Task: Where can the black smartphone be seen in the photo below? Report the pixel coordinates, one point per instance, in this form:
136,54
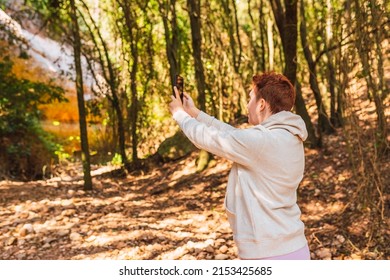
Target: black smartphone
179,83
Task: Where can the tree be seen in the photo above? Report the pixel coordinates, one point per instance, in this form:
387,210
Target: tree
132,31
111,76
25,148
335,94
369,16
259,57
80,97
286,21
323,119
229,9
194,13
167,9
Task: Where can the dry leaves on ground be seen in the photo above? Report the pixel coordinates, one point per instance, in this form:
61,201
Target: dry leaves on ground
173,212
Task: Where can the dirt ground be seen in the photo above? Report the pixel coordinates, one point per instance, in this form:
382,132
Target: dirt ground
173,212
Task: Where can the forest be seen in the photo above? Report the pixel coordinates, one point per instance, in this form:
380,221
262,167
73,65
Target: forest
93,166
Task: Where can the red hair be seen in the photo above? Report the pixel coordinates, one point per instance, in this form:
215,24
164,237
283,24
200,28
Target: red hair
275,89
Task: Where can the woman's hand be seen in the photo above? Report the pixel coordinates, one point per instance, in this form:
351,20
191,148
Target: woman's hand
175,104
188,106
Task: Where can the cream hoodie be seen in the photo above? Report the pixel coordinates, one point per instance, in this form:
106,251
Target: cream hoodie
261,200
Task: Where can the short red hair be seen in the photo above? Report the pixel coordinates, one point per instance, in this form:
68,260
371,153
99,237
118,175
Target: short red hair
275,89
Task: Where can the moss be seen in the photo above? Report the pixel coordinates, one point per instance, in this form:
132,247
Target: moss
175,147
203,160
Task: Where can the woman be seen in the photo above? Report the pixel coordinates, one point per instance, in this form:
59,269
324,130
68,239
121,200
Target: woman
268,165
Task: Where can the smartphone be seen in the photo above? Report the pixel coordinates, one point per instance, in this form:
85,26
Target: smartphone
179,83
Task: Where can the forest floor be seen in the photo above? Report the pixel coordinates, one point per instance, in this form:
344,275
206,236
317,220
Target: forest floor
173,212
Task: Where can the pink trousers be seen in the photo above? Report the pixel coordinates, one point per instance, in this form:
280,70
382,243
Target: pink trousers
301,254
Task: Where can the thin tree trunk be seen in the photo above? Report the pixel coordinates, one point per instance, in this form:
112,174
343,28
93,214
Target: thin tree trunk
171,32
323,119
287,26
271,49
312,140
134,107
230,29
258,59
120,129
85,158
382,92
372,67
262,30
290,37
238,60
234,40
131,25
335,119
106,64
193,7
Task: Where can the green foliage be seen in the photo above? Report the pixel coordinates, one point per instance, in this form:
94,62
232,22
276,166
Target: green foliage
117,159
20,132
20,98
52,12
47,7
60,153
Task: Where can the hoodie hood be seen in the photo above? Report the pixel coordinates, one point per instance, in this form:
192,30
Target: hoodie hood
288,121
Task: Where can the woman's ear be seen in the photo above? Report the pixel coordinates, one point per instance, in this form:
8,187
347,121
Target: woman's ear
261,104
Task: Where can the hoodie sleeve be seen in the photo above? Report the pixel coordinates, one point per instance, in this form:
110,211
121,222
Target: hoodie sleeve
238,145
211,121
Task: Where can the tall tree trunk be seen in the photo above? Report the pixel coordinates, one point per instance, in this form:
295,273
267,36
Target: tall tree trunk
286,21
312,140
372,66
323,119
120,128
258,58
381,93
193,7
232,28
110,77
85,158
262,31
271,49
236,25
335,118
134,107
131,24
289,41
171,31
